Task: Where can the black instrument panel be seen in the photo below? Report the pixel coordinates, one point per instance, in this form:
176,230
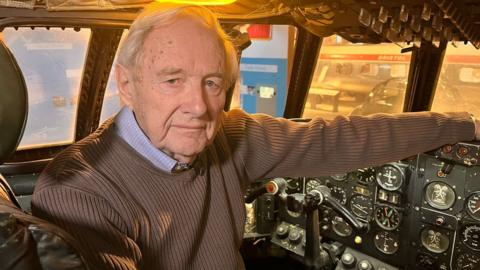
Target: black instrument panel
423,213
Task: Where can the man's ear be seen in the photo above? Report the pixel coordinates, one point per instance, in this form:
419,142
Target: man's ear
125,85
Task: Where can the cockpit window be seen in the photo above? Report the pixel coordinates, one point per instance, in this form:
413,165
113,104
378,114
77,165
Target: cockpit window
111,101
357,79
52,62
458,87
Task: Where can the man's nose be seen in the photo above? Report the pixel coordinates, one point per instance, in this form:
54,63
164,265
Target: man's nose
195,101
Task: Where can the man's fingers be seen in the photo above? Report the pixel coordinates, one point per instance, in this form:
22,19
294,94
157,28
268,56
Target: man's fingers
477,129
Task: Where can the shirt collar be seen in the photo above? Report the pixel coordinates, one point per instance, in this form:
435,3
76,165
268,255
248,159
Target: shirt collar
128,130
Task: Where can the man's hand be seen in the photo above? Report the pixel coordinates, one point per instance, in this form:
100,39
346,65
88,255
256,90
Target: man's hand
476,121
477,129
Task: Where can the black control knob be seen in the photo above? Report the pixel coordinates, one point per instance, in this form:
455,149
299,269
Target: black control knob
348,260
282,231
294,236
364,265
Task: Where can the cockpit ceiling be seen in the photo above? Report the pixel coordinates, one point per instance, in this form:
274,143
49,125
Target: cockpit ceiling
367,21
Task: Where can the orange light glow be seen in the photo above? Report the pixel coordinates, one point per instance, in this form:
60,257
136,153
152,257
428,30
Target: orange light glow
202,2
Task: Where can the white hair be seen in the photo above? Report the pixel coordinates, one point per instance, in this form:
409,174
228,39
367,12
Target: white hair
156,15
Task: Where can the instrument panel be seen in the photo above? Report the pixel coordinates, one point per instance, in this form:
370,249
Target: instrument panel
423,213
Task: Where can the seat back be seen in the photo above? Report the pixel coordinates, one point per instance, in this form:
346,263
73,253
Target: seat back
13,103
26,242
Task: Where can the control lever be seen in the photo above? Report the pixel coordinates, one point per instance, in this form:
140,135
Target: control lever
255,193
358,226
315,256
275,186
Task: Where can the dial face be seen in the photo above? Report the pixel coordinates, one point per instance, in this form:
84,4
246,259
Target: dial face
440,195
426,261
339,177
361,206
387,242
341,227
473,205
387,217
434,240
390,177
294,185
367,175
312,184
336,191
363,176
470,236
468,261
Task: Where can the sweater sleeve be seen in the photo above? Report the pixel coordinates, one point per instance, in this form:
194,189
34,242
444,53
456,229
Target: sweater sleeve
273,147
97,228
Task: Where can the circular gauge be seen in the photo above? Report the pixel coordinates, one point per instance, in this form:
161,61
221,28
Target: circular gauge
387,217
470,236
426,261
294,185
312,184
339,177
353,176
434,240
361,206
473,205
390,177
341,227
338,193
367,175
386,242
468,261
440,195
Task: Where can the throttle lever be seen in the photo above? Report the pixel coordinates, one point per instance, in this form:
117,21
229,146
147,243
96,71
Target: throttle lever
315,256
358,226
275,186
255,193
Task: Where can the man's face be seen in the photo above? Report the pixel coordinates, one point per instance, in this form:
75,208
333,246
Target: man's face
177,91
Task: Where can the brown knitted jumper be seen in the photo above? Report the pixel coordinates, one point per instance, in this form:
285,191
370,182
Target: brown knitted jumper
128,214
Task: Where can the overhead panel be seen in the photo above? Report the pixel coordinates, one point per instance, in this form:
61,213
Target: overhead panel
359,21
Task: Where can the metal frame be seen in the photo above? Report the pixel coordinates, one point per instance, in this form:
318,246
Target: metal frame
305,59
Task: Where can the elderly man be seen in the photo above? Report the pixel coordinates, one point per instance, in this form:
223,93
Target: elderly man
161,185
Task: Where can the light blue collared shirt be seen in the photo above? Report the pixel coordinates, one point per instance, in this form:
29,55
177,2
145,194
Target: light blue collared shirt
128,130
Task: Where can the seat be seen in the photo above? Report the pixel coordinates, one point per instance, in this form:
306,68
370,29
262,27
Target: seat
26,242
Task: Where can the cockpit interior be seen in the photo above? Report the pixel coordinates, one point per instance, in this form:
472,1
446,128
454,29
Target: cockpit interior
298,60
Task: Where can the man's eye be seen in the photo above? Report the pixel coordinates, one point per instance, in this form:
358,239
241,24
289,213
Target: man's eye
213,86
173,81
